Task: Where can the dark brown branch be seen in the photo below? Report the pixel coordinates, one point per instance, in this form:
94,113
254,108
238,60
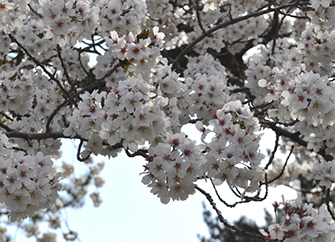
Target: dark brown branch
273,152
34,11
227,23
284,167
59,51
237,65
328,204
66,102
36,136
247,199
143,153
273,33
51,76
92,45
6,116
224,221
240,89
193,121
82,66
4,126
198,16
294,16
78,152
295,138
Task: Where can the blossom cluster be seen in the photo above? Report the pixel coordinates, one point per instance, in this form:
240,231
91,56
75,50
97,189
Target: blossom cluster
233,152
243,31
121,16
142,89
324,173
35,98
68,21
173,167
12,14
301,222
16,91
27,183
292,83
127,115
207,94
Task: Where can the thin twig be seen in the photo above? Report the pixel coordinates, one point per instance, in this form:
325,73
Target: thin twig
284,166
34,11
78,93
4,126
59,51
82,66
78,152
273,153
224,202
51,76
227,23
6,116
143,153
224,221
295,138
198,16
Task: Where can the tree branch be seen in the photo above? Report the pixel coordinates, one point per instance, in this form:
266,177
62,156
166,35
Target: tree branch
328,204
59,51
284,166
66,102
224,221
143,153
273,152
51,76
36,136
78,152
198,16
230,22
295,137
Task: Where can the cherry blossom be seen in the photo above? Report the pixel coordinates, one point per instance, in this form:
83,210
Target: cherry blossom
145,78
302,222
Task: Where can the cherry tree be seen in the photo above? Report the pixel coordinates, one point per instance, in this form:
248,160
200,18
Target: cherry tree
129,75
